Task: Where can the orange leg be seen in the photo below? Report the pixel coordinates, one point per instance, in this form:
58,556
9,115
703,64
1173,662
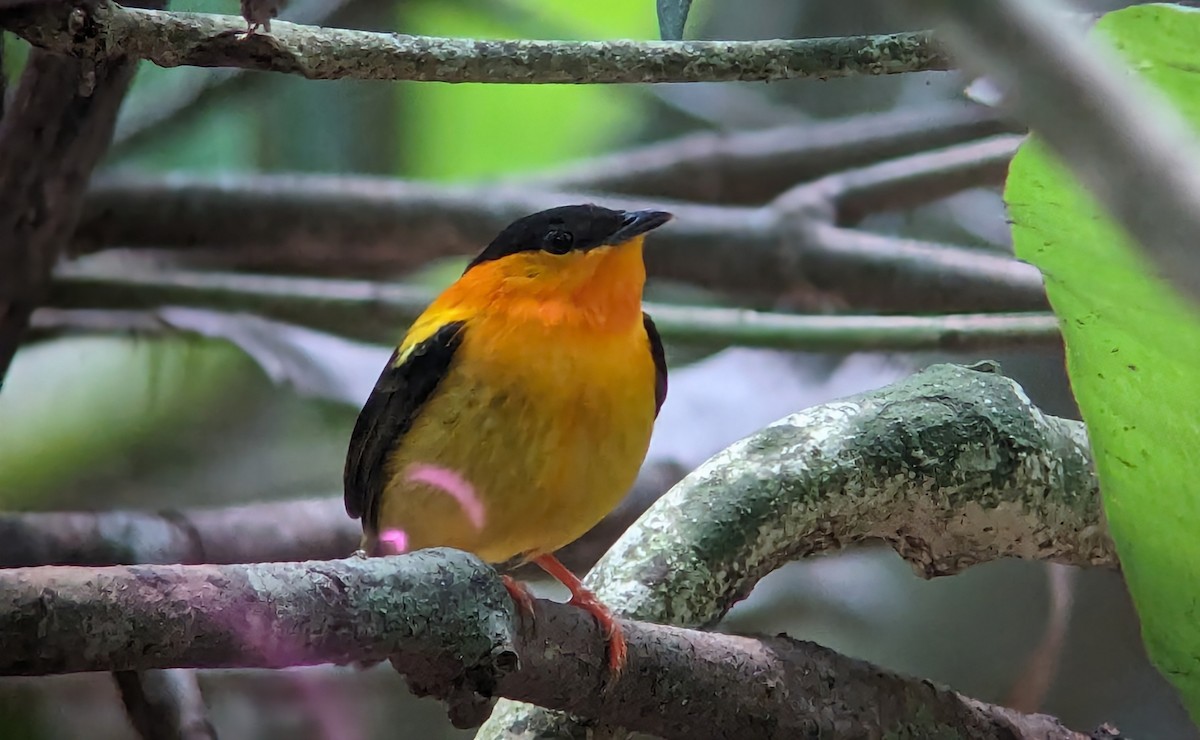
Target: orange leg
521,596
586,600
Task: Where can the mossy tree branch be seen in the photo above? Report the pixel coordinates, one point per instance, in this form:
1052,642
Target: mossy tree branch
445,621
204,40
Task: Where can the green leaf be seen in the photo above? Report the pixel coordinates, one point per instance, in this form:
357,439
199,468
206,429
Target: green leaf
1133,354
672,17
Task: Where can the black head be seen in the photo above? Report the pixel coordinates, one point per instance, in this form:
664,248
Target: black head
570,229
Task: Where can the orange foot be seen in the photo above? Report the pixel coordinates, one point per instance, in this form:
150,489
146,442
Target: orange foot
521,596
586,600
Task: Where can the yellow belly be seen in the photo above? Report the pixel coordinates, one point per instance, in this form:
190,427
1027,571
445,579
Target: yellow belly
549,432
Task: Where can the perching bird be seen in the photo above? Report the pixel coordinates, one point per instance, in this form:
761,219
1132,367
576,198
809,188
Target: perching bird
535,379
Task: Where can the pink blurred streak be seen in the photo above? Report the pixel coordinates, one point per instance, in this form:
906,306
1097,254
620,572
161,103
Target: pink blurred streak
454,484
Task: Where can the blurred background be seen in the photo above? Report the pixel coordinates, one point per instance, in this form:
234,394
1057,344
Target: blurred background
155,422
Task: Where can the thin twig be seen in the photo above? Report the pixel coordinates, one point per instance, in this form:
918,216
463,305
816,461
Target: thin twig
174,39
378,311
1136,154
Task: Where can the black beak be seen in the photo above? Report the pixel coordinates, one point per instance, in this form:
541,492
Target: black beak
637,223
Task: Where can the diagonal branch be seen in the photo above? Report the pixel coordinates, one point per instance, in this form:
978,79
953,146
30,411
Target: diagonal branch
181,102
951,467
746,167
51,137
165,704
1149,175
175,39
445,621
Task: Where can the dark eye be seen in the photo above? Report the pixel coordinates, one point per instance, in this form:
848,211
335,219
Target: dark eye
558,242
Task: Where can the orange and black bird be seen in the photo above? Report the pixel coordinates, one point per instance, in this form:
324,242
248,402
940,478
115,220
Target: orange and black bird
535,379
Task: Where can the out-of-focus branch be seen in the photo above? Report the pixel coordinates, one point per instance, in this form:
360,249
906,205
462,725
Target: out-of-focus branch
951,467
444,620
754,166
282,531
165,704
355,226
911,181
57,128
304,529
203,40
177,105
1149,175
375,311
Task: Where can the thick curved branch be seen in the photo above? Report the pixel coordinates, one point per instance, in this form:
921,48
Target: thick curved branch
951,467
203,40
445,621
372,311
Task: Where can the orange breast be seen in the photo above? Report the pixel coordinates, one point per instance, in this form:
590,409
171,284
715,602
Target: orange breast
547,414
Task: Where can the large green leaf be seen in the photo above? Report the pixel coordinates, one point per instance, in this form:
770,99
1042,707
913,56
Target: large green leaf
1133,354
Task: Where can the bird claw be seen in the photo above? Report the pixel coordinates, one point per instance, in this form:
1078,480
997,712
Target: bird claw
521,596
617,650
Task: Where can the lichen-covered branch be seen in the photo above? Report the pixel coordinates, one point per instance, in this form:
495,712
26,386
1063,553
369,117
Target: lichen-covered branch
203,40
359,226
373,311
445,621
951,467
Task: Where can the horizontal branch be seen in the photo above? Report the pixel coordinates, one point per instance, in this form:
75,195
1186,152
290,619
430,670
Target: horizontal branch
951,467
353,226
284,531
279,531
445,621
378,311
203,40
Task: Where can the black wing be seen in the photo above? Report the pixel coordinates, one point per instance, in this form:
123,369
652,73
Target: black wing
389,413
660,363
